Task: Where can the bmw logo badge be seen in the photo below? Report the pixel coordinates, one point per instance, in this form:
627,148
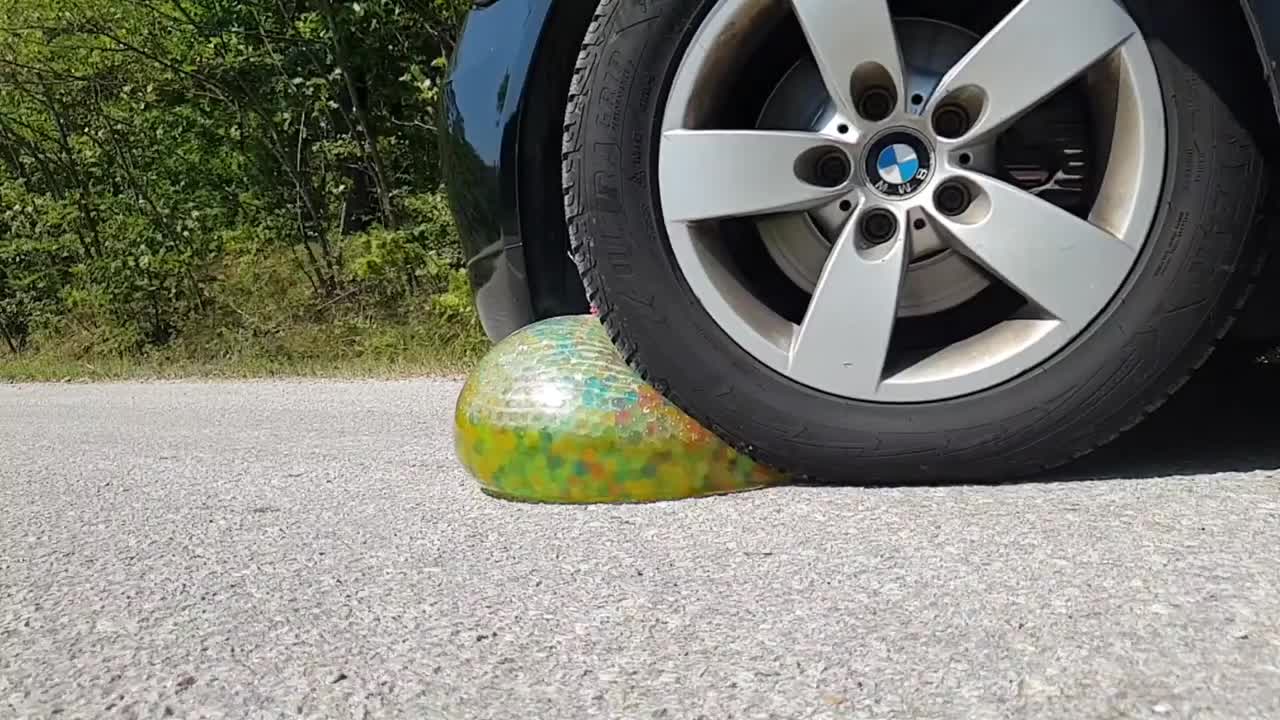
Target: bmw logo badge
898,164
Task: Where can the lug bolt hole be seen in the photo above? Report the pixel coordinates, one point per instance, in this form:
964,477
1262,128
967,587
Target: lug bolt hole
833,169
919,224
953,199
879,227
846,206
876,104
843,129
965,158
951,121
917,99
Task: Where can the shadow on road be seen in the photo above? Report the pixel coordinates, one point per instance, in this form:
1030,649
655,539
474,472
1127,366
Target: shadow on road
1227,419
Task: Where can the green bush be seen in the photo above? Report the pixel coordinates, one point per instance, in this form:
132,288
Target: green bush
209,181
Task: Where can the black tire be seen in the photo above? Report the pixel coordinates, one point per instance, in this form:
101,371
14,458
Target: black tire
1179,301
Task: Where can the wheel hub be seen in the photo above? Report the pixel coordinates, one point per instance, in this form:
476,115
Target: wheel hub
898,164
937,278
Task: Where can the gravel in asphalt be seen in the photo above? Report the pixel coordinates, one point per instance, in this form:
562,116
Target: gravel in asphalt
312,549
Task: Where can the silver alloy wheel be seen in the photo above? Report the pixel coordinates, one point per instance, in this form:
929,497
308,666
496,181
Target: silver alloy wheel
1067,268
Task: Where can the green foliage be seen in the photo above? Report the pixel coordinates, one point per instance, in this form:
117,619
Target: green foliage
222,173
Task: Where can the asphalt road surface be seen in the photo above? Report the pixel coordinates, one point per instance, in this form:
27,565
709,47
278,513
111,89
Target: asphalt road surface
312,549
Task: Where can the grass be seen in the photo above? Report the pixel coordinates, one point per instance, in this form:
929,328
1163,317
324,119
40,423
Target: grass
42,368
345,352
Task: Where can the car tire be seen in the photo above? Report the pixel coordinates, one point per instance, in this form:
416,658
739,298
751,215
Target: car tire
1188,283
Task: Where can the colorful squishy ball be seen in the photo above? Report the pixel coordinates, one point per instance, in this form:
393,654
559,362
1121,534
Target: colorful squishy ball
554,415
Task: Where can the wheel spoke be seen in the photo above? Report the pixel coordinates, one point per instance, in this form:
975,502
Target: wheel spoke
1067,266
1038,48
712,174
844,34
844,339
